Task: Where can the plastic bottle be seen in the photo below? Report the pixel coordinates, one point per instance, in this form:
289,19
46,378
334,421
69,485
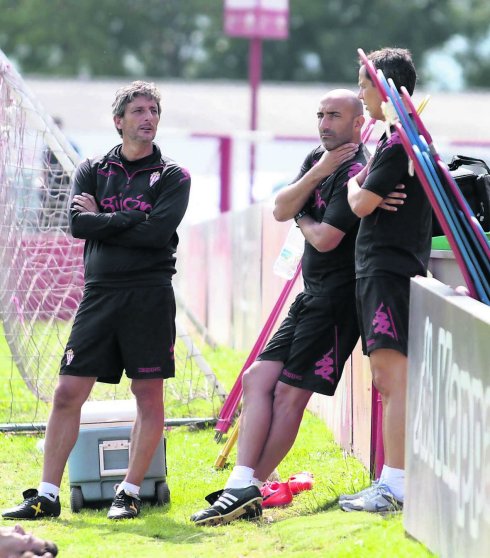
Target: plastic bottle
290,254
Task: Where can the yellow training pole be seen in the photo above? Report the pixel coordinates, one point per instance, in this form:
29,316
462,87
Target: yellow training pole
225,452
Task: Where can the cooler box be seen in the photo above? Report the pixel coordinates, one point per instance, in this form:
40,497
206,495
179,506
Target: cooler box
100,457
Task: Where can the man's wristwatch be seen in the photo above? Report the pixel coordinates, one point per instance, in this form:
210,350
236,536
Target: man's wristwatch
300,215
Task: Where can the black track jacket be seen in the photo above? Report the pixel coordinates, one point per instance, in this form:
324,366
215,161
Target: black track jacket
132,241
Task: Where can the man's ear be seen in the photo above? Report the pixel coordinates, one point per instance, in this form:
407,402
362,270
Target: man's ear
117,121
359,122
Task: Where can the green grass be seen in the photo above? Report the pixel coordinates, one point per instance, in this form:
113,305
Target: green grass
17,403
312,526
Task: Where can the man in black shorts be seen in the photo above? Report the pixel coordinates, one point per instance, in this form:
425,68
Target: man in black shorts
390,249
127,206
308,352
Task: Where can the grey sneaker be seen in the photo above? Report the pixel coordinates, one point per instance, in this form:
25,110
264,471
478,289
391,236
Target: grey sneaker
378,500
361,493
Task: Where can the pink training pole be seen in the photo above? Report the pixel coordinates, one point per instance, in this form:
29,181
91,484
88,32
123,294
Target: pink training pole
377,447
233,400
450,182
366,133
437,210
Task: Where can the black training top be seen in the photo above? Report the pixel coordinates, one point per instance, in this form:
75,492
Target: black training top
132,241
325,271
394,242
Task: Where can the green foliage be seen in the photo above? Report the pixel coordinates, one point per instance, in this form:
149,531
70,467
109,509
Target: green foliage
331,32
113,37
175,39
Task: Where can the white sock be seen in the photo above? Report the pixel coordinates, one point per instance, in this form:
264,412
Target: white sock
128,488
258,483
394,479
240,477
48,490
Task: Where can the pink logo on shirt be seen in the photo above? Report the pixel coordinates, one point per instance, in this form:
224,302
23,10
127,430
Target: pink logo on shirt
393,140
185,175
354,169
319,202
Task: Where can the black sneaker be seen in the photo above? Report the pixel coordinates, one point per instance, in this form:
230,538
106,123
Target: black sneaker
34,507
253,513
230,504
124,506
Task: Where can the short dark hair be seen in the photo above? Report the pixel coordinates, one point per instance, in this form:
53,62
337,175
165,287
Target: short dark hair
128,93
397,64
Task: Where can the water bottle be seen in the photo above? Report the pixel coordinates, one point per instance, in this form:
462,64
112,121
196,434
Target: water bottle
291,253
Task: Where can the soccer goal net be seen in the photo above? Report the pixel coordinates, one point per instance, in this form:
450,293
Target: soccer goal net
41,270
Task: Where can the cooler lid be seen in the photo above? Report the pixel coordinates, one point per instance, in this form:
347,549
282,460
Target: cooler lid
122,410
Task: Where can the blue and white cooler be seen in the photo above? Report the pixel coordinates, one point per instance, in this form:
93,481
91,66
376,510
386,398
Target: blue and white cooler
100,457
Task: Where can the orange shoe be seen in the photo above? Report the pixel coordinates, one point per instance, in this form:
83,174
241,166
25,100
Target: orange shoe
276,494
301,481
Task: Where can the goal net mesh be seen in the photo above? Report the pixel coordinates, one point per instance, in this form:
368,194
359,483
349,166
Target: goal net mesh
41,271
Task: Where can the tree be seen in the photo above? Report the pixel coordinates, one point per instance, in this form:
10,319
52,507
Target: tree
185,39
330,33
475,27
105,37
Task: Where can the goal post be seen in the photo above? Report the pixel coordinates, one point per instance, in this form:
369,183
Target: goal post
41,264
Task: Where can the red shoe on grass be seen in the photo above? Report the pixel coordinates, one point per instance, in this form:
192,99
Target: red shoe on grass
301,481
276,494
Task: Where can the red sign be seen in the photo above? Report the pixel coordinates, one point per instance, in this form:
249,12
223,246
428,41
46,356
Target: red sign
265,19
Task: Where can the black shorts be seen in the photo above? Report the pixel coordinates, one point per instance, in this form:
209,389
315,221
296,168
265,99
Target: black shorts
314,341
383,308
122,329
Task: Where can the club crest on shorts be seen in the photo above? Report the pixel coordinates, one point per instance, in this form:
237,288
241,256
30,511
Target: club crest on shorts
69,356
154,177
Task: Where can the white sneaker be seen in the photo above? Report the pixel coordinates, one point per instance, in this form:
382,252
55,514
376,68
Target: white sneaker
361,493
378,500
